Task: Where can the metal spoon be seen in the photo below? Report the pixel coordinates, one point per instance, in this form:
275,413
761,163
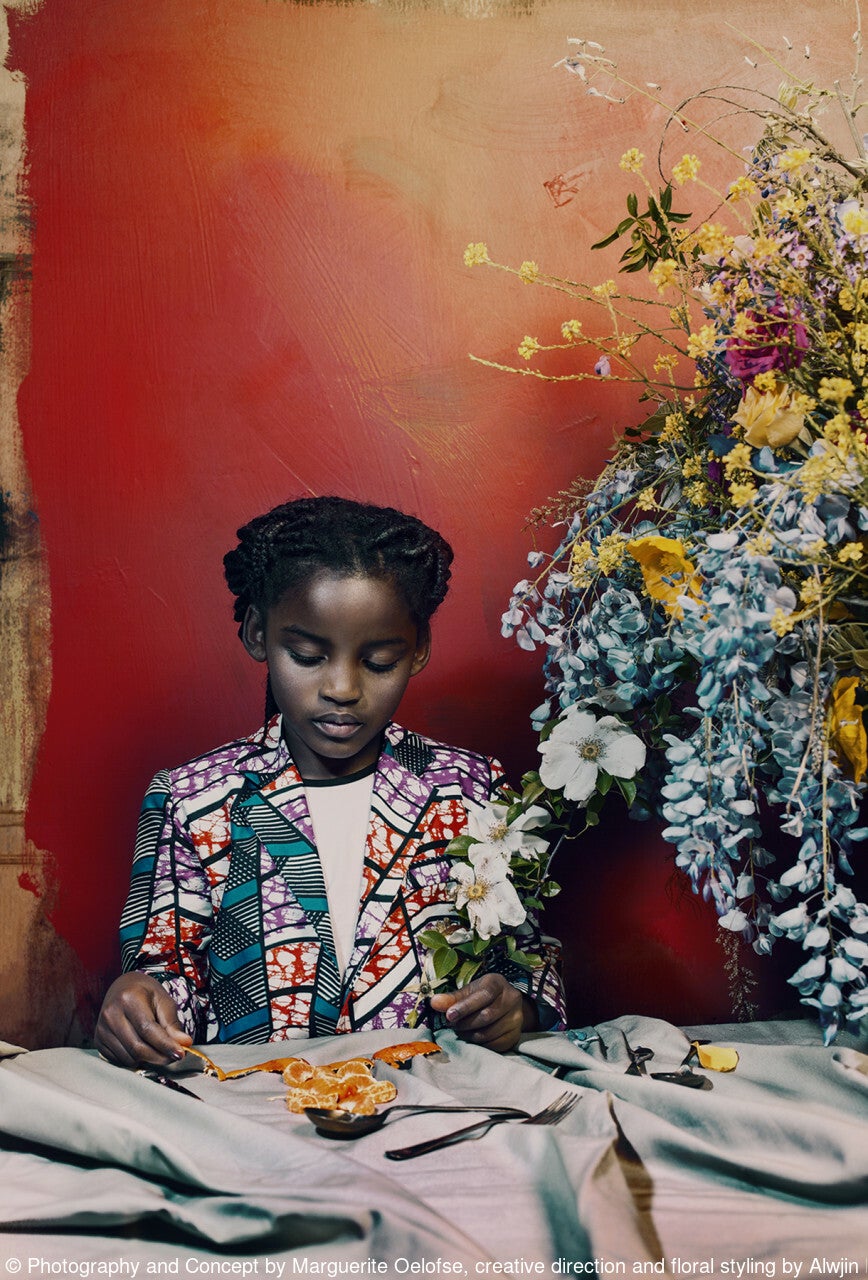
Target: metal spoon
334,1122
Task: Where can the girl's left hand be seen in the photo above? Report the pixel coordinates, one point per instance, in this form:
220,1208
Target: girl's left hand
488,1011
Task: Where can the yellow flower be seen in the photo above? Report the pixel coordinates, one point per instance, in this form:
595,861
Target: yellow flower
768,418
765,381
836,390
571,329
690,467
687,170
665,362
700,344
852,552
714,239
582,564
528,272
765,247
631,161
673,427
608,289
527,347
475,254
743,494
738,459
811,592
789,205
761,545
666,570
741,189
610,553
647,501
846,298
782,623
846,728
793,158
855,222
742,325
663,273
697,493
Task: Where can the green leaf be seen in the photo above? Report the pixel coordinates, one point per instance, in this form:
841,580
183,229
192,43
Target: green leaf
550,888
591,819
610,239
633,204
627,787
478,945
466,972
666,198
604,782
532,791
461,844
433,939
445,961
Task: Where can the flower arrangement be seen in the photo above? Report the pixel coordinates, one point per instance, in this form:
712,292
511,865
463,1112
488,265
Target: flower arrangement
703,618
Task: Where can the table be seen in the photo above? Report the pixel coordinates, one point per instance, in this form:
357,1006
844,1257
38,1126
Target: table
104,1173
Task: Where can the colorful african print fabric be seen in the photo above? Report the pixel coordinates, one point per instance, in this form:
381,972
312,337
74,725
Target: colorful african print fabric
227,905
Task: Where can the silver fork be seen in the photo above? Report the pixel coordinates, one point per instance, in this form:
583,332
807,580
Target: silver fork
552,1114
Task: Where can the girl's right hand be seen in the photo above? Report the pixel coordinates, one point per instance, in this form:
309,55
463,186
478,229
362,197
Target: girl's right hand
138,1024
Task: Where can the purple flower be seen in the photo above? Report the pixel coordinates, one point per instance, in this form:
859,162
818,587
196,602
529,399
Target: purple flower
771,343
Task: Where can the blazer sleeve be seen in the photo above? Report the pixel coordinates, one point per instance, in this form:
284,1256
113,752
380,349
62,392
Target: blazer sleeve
166,921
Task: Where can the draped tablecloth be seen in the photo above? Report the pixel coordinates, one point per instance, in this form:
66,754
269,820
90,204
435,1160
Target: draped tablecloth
105,1173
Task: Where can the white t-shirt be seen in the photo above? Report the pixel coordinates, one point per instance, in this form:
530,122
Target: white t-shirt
340,811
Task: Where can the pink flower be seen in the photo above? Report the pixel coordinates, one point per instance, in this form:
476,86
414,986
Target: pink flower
775,341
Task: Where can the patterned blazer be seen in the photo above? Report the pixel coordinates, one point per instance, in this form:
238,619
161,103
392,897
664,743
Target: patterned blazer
227,903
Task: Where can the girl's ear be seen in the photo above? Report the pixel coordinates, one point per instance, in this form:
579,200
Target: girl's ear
253,634
423,651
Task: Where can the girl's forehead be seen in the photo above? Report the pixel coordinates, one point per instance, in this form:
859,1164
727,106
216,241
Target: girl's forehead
342,601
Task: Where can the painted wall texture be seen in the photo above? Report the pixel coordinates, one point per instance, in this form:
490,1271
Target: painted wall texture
247,220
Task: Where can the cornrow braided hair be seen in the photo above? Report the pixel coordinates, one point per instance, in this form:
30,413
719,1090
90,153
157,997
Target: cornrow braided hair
278,551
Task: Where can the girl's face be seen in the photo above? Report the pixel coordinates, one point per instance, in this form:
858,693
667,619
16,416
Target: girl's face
340,652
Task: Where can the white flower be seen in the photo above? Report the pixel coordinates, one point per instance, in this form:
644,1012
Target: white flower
484,889
580,746
487,823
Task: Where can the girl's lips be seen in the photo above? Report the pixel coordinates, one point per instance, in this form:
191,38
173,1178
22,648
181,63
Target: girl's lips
338,729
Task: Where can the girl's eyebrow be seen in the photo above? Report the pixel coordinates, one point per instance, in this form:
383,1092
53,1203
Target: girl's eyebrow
385,642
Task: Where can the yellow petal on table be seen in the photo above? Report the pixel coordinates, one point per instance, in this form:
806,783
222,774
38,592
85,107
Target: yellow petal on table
715,1057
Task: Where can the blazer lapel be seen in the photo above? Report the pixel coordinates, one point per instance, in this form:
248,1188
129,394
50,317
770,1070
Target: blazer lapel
275,811
399,802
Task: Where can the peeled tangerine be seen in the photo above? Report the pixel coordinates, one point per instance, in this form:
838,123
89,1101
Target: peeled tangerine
350,1085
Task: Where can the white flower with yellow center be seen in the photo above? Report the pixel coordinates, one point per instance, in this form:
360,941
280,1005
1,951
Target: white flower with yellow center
485,890
580,746
487,823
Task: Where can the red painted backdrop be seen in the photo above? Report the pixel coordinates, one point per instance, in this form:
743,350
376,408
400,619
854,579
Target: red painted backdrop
249,219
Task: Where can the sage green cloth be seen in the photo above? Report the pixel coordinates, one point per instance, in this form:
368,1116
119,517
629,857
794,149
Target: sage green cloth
105,1172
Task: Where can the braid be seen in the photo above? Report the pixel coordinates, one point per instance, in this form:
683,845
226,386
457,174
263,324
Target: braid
277,551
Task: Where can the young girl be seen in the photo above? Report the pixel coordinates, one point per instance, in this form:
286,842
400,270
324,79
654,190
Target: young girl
280,881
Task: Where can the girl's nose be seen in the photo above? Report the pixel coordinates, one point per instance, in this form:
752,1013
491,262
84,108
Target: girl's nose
340,683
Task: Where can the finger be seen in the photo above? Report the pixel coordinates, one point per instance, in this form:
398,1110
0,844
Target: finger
140,1040
499,1035
111,1048
471,1001
167,1018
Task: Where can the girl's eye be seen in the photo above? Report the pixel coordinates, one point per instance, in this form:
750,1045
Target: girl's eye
380,667
304,659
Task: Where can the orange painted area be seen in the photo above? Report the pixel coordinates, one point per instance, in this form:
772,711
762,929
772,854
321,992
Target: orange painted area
249,221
